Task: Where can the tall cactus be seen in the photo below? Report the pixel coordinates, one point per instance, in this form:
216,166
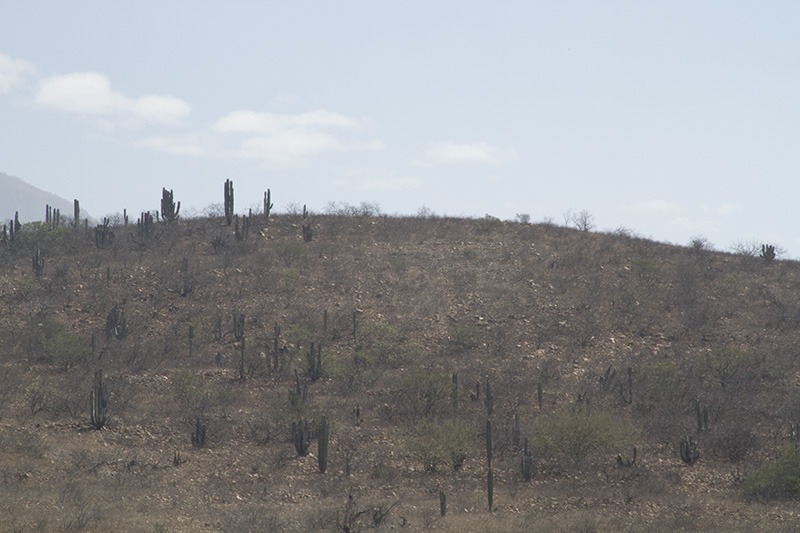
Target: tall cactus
228,201
169,211
199,434
323,437
301,437
267,205
76,220
442,503
98,400
490,488
527,463
489,442
688,448
489,399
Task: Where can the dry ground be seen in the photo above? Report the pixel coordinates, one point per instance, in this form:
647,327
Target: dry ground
519,304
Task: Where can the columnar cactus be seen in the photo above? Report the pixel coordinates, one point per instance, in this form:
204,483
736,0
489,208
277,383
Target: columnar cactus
489,399
301,437
38,263
98,399
489,442
145,226
323,437
688,448
527,463
116,324
228,201
539,394
199,434
490,488
442,503
267,206
702,416
169,211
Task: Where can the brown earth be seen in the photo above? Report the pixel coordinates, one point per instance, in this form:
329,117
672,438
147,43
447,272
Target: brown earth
518,304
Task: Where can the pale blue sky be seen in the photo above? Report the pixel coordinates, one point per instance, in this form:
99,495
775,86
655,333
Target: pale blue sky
673,119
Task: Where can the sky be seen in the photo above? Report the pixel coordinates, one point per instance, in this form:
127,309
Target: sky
672,119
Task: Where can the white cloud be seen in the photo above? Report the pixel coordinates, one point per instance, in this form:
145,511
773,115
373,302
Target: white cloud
171,145
656,205
13,72
724,209
480,152
285,138
90,93
271,123
393,184
287,146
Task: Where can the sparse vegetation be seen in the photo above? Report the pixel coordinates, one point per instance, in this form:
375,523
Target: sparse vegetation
630,381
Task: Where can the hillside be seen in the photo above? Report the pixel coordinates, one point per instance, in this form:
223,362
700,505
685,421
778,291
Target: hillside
627,340
17,196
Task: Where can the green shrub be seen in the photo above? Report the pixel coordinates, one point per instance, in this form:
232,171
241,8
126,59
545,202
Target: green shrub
52,344
289,251
465,337
777,479
384,344
469,253
441,444
488,224
423,394
575,435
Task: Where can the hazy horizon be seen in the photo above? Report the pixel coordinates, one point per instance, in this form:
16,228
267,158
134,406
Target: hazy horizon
671,119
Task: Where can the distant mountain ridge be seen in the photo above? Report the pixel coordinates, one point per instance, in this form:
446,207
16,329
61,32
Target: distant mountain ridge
17,195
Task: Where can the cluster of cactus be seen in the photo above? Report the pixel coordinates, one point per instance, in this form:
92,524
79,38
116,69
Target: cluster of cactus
11,231
688,449
145,226
298,395
301,438
199,434
38,263
169,211
228,202
98,400
103,236
608,379
244,233
323,436
116,324
52,216
267,206
767,252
